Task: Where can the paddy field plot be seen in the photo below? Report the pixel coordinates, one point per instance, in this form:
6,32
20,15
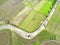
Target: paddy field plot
11,8
5,37
51,43
36,17
40,38
46,8
54,23
32,21
15,39
2,1
17,19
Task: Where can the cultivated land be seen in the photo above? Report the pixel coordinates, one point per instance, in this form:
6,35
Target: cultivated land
36,17
32,3
47,7
22,15
2,1
30,24
2,23
5,37
16,40
54,23
51,43
40,38
32,21
10,9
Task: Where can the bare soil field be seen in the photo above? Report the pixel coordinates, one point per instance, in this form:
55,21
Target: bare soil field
51,43
5,37
11,8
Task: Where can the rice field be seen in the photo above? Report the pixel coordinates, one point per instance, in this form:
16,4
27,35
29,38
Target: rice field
36,17
5,37
54,23
46,8
32,21
40,38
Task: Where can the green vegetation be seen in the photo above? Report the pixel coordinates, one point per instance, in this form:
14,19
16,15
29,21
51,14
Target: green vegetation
2,23
52,1
36,17
58,37
15,39
32,21
40,4
54,23
36,43
43,36
46,8
8,38
5,37
2,1
28,3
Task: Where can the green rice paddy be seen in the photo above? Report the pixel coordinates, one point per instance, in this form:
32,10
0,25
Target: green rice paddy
54,23
32,21
40,38
46,8
35,18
